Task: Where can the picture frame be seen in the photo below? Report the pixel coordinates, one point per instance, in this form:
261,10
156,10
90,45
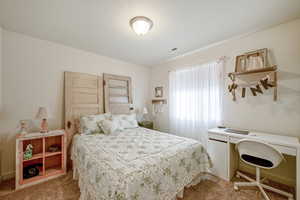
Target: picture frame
251,60
159,92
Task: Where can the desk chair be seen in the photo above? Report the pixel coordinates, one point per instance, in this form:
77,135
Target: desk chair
262,156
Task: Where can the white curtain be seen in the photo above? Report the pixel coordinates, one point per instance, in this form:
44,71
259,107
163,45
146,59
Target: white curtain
196,100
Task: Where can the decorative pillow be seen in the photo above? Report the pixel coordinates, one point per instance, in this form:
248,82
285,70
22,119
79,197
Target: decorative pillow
126,121
88,124
110,126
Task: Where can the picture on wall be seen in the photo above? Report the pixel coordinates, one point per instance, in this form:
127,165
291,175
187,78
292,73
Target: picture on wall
251,60
159,92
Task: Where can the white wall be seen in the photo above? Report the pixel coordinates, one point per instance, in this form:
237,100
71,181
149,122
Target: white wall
254,113
33,76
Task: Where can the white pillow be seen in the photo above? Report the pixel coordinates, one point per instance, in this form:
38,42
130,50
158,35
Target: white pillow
88,124
126,121
110,126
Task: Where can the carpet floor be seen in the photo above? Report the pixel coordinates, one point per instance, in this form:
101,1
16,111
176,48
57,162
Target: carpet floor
65,188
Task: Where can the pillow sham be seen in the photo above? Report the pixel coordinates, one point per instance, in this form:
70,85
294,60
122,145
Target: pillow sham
126,121
88,124
110,126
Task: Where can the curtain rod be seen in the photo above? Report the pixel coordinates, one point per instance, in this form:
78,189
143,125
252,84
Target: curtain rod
218,60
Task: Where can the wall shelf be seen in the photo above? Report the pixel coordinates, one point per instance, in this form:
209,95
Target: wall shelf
159,101
254,71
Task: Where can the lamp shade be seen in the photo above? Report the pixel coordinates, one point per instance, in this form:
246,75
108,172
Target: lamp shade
42,113
145,111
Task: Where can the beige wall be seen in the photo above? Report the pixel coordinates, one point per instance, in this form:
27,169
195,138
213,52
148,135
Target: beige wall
33,76
254,113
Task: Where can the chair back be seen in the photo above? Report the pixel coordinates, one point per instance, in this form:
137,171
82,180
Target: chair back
259,154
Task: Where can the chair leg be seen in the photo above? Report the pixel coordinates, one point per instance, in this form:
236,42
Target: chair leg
263,192
283,193
260,185
251,182
243,184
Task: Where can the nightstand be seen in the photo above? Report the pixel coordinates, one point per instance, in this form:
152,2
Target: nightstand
146,124
48,156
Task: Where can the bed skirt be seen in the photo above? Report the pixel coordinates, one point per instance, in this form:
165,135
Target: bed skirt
202,176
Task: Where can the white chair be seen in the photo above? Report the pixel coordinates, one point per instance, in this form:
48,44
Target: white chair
259,155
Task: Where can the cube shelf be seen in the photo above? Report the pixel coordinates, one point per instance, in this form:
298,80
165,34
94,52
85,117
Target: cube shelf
48,156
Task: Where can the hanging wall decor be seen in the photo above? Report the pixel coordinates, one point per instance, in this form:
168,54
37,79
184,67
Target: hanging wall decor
159,92
252,72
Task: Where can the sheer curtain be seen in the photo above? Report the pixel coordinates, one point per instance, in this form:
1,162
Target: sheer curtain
196,100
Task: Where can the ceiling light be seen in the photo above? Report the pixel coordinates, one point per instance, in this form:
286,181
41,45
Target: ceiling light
141,25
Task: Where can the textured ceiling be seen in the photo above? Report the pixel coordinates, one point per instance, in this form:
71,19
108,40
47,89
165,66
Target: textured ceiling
102,26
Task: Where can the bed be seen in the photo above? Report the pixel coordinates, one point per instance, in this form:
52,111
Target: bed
130,164
137,164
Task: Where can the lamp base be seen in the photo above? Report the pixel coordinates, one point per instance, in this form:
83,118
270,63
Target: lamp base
44,126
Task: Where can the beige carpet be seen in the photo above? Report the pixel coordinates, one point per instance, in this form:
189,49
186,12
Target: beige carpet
65,188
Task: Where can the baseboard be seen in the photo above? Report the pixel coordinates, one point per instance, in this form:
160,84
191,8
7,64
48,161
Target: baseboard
8,175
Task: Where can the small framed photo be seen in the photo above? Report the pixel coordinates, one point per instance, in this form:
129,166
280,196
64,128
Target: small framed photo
159,92
251,60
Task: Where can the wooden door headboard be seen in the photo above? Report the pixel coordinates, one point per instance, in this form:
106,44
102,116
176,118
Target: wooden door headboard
84,95
117,94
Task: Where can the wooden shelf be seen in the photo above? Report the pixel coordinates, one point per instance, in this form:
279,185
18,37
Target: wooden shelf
159,101
50,164
33,179
255,71
254,79
53,171
48,154
34,157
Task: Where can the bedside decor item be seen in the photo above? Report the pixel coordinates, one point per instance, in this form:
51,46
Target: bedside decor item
54,148
253,72
28,152
43,115
31,171
23,127
159,92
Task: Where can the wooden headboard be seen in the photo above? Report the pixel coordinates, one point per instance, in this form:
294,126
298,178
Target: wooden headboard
84,95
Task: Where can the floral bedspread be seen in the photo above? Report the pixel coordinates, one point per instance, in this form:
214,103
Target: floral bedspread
136,164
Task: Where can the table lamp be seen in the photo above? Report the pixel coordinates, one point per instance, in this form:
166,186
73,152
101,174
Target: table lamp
145,112
43,115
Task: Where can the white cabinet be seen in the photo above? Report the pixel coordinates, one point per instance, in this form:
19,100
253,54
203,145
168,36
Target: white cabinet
218,152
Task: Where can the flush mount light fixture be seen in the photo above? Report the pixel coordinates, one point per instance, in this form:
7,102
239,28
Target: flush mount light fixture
141,25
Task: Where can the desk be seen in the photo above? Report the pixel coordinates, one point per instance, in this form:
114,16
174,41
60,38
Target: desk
225,159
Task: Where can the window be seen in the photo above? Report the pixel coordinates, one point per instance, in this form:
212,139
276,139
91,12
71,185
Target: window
196,99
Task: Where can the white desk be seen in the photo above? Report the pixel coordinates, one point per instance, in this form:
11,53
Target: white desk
225,159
